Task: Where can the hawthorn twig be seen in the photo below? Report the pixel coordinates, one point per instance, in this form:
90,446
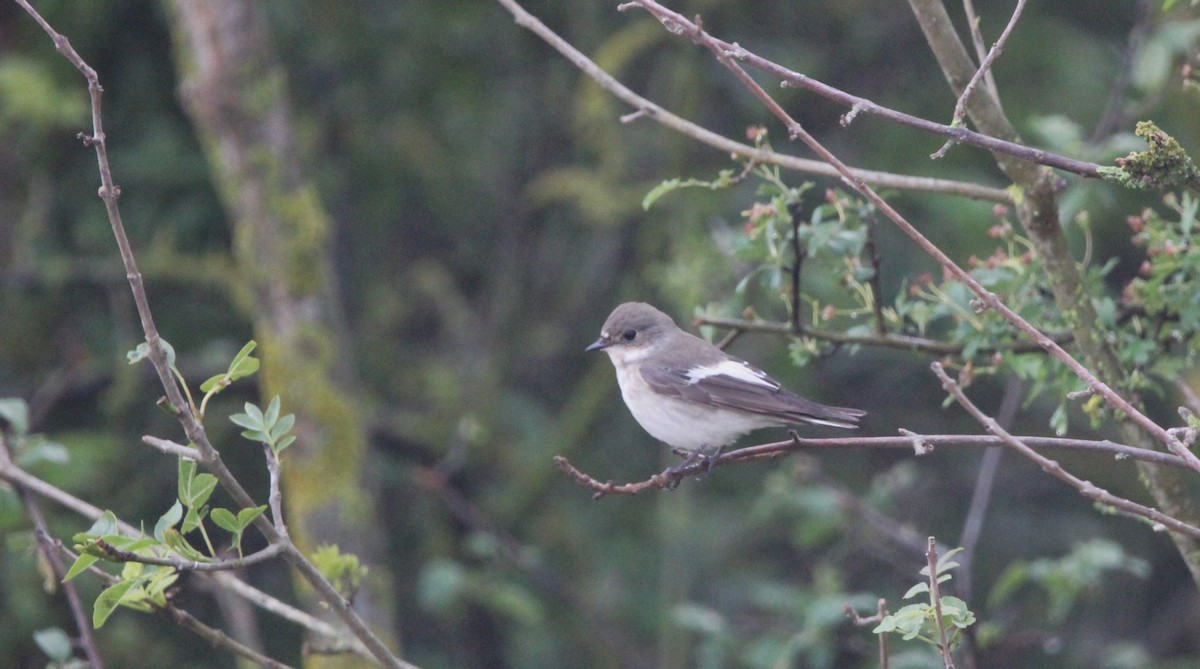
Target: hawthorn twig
677,24
645,108
1086,488
935,595
960,107
725,54
897,341
880,613
928,443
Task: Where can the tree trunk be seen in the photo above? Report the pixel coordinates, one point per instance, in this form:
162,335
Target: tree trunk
235,91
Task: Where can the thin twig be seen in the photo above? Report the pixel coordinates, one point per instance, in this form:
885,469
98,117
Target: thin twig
871,250
1111,118
171,448
676,23
646,108
881,612
1086,488
271,552
186,620
897,341
798,251
725,54
192,427
922,444
973,22
960,107
49,550
935,596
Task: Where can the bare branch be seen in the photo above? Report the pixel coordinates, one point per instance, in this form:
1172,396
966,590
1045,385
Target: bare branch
49,551
897,341
935,595
270,552
1086,488
960,107
679,25
171,448
177,403
646,108
924,444
725,54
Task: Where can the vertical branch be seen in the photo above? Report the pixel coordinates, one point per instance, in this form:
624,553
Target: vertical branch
798,251
935,596
871,249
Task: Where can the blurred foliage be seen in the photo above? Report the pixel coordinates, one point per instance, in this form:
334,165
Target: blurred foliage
487,204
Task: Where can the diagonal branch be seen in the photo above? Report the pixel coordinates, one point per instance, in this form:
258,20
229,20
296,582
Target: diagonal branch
175,400
676,23
1085,488
681,125
987,300
885,340
985,68
49,551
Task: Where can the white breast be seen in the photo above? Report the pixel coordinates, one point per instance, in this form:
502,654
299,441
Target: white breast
680,423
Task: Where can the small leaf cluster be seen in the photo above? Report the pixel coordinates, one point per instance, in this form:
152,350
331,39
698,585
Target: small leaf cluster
139,586
343,570
142,586
268,426
1168,288
919,620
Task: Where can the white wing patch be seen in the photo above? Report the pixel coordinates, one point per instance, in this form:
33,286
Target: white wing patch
733,369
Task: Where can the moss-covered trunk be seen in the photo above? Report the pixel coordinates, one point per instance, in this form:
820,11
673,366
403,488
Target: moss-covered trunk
235,91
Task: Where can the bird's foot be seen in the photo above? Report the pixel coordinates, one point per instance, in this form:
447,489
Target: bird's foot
690,459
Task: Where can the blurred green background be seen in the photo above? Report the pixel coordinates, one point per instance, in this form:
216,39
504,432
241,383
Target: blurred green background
487,209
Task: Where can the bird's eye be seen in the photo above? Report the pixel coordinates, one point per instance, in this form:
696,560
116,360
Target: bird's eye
629,335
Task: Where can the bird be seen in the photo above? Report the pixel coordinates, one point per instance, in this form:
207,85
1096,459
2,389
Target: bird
693,396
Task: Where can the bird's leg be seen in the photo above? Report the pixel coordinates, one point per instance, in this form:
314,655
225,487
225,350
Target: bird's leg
690,458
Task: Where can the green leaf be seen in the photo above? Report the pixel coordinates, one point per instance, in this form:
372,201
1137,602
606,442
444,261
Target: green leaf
38,449
284,443
16,412
283,426
250,421
247,515
108,601
175,541
916,590
195,515
272,413
187,471
105,524
81,563
212,382
200,490
168,519
225,519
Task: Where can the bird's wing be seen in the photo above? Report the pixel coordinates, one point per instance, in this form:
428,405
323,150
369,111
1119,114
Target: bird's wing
736,384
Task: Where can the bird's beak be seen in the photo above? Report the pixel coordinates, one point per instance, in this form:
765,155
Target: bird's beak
597,345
